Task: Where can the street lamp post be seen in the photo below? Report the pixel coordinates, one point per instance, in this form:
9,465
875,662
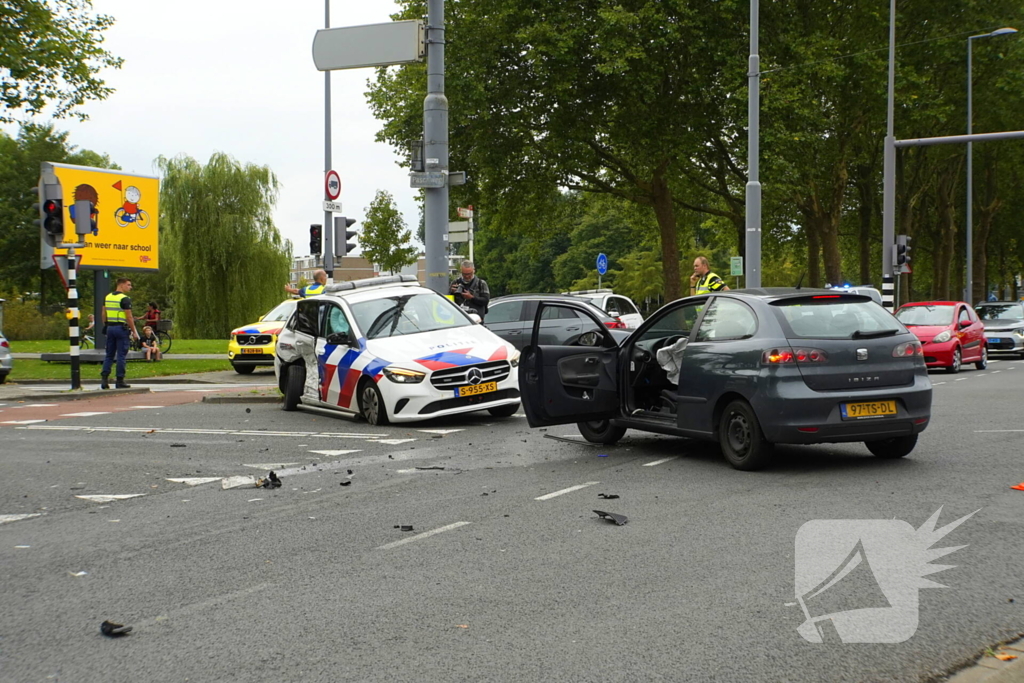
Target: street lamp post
969,294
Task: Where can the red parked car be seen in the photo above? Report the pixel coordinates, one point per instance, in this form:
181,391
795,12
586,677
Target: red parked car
951,332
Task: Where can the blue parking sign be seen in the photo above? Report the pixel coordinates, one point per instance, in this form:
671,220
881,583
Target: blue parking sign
602,264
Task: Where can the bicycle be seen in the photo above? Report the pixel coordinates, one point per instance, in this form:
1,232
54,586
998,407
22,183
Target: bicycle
140,219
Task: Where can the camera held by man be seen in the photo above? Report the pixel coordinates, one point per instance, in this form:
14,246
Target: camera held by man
470,292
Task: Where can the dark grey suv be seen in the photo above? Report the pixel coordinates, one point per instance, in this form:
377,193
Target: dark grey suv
511,318
747,368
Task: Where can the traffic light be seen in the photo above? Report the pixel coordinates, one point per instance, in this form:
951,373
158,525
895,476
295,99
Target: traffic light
316,239
901,256
51,213
342,235
85,208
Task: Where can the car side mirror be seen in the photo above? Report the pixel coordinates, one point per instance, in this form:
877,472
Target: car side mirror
261,318
338,338
965,323
475,318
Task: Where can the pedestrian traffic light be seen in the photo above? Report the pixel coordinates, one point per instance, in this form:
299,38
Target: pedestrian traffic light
316,239
51,213
901,256
342,235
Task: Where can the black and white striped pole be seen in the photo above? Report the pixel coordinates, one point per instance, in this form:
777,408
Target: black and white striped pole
83,225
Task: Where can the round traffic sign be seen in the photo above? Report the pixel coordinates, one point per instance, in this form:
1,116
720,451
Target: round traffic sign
602,264
332,185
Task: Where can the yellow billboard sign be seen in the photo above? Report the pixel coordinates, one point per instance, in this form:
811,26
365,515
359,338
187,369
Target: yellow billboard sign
126,211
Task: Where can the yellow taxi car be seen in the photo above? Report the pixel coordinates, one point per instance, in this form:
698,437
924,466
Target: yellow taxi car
252,346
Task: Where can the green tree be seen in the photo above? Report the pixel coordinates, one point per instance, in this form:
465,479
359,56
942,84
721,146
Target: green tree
52,52
385,238
228,262
19,172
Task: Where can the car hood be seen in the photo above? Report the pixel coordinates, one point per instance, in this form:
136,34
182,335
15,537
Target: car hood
443,348
1002,324
927,332
260,328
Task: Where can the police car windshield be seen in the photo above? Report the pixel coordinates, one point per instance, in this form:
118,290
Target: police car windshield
282,311
407,314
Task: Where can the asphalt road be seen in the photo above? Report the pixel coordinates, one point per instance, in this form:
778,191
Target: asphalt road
499,580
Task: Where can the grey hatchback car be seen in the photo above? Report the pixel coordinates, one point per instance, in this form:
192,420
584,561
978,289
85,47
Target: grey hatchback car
511,318
746,368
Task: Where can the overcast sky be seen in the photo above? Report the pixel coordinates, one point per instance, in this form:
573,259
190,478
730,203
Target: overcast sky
234,77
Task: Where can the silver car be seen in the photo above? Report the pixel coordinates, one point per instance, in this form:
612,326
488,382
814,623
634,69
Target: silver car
1004,326
6,361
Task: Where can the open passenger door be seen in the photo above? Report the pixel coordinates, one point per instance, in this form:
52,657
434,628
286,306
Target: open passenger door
567,384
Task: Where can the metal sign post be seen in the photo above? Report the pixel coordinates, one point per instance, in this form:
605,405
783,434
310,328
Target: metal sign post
602,268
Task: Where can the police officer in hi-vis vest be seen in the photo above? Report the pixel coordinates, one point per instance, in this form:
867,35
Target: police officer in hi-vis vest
703,281
319,282
119,326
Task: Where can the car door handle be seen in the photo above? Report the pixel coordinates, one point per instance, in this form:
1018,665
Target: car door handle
590,361
572,329
511,332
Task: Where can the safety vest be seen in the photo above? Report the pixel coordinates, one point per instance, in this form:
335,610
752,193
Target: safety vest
703,286
313,289
112,304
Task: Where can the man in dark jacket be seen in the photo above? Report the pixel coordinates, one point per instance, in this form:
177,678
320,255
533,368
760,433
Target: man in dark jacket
470,292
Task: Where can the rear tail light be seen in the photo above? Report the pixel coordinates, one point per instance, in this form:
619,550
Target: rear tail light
908,350
785,355
4,344
615,324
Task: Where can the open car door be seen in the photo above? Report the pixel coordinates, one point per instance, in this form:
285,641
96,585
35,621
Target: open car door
566,384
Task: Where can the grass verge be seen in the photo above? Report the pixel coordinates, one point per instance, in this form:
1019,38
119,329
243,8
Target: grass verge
27,370
177,346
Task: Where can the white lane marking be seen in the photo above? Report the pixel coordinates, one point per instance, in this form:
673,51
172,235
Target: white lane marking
106,412
935,384
38,405
996,431
391,442
333,454
425,534
440,431
4,519
172,430
22,422
270,465
548,496
658,462
194,481
104,498
996,372
961,379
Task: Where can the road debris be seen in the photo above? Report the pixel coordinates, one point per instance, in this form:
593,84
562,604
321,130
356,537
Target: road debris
179,445
109,628
404,527
270,482
618,520
79,573
430,468
608,496
237,482
1005,656
563,438
1018,487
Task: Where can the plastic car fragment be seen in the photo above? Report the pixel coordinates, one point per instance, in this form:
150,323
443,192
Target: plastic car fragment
618,520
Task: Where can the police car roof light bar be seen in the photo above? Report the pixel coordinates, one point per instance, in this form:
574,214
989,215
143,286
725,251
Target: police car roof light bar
370,282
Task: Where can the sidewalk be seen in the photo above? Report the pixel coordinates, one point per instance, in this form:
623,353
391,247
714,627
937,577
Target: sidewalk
61,391
169,356
990,669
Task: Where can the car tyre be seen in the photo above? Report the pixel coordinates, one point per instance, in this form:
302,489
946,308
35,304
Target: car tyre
957,362
890,449
3,378
741,439
983,363
601,431
371,404
504,411
294,386
243,369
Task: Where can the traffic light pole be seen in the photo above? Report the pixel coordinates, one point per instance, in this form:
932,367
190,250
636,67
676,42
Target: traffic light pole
328,250
435,140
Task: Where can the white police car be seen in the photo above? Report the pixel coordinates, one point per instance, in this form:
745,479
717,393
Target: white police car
391,350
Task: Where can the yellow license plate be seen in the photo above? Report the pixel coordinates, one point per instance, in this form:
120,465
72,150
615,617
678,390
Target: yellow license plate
475,389
855,411
252,350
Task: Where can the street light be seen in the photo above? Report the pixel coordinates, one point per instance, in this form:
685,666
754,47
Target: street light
970,163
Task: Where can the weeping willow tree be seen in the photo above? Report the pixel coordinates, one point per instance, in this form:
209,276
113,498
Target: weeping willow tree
227,258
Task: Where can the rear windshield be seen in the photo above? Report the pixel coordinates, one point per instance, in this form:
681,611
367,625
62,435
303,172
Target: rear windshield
1000,312
839,318
925,315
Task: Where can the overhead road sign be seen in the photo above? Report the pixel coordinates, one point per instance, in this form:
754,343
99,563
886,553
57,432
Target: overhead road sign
332,185
354,47
126,211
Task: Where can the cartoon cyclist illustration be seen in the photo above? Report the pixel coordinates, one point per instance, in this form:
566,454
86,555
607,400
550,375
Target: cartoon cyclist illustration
89,194
129,211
